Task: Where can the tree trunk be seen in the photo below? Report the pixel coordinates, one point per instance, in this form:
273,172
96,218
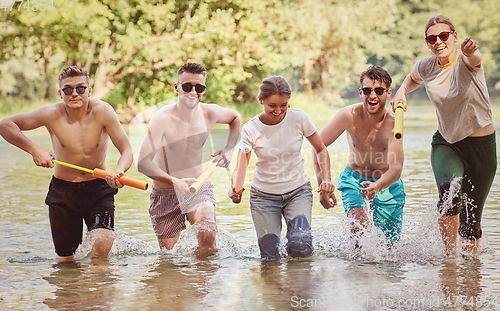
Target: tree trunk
306,76
102,80
46,55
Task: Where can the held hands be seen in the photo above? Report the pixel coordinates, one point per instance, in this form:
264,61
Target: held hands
327,195
469,46
222,157
233,195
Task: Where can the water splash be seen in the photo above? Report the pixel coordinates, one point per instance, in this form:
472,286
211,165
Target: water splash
452,193
421,242
122,245
226,244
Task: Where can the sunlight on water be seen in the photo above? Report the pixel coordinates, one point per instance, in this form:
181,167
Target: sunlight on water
423,246
413,275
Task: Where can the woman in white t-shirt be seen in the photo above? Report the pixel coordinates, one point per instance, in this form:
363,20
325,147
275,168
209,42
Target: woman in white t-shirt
280,185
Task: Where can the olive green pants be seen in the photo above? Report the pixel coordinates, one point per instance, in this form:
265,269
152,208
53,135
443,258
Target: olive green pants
464,172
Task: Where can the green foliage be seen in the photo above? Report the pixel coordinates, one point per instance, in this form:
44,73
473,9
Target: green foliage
133,48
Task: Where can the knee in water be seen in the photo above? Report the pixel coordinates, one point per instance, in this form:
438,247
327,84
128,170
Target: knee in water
450,201
268,245
470,232
299,237
103,220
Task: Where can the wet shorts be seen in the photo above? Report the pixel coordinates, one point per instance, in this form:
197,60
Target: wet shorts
386,207
168,216
70,203
472,162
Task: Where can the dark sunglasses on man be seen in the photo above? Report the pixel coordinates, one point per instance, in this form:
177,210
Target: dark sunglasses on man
378,90
443,36
69,90
199,88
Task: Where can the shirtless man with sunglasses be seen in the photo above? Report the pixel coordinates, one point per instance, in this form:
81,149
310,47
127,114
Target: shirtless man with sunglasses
371,178
79,128
171,154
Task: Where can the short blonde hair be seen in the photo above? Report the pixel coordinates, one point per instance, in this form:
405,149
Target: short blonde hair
73,71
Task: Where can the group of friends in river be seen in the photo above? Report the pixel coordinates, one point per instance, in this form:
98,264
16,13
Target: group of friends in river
463,153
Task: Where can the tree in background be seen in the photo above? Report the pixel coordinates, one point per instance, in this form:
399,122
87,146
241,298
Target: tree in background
133,48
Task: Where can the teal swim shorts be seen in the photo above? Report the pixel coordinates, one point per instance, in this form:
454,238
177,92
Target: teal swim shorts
386,207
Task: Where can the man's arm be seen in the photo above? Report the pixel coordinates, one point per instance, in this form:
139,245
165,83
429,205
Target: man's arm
118,138
233,119
153,145
150,147
330,133
322,169
395,159
11,130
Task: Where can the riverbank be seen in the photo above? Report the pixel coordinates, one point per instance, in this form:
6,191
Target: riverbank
320,111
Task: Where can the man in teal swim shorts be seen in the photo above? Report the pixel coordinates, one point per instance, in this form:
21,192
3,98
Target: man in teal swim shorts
371,178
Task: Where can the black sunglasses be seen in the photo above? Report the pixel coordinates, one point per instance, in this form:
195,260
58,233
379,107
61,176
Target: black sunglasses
378,90
69,90
443,36
199,88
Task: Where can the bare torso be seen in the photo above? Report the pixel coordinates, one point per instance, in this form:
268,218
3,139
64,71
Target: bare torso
81,141
182,140
368,138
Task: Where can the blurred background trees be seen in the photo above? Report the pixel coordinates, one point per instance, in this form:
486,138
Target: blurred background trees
132,48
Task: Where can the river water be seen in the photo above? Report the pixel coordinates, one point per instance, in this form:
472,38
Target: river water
138,276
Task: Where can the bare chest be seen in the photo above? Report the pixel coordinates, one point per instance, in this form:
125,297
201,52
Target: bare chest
184,144
365,139
83,138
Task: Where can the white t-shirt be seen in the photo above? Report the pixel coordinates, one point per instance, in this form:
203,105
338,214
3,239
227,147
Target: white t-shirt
280,165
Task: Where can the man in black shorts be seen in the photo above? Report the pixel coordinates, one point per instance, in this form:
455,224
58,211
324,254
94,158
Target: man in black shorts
79,128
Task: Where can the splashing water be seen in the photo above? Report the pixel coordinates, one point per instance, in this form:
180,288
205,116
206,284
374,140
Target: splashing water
226,243
122,245
421,241
451,193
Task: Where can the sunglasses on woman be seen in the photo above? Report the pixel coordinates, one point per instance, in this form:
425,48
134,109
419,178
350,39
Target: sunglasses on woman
378,90
199,88
69,90
431,39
